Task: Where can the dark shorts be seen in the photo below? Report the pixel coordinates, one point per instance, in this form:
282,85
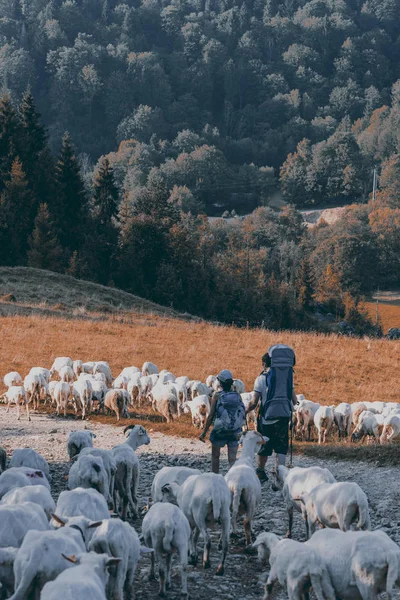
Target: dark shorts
221,440
278,434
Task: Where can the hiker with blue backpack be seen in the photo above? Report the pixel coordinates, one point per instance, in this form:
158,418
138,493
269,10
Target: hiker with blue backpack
228,415
274,393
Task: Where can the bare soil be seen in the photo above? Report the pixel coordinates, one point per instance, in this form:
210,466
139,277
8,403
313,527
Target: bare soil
243,579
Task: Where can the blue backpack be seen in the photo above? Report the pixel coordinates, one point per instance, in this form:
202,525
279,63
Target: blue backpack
230,413
278,403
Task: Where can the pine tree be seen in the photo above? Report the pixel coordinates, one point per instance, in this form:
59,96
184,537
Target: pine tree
304,286
70,211
33,132
106,195
45,250
15,209
10,132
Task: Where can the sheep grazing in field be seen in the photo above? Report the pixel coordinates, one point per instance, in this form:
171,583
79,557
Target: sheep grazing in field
115,401
198,388
67,374
133,388
120,382
337,505
17,520
17,395
243,483
323,421
391,428
342,418
10,480
88,581
166,529
356,409
166,377
102,366
304,416
116,538
85,502
361,564
204,500
250,416
199,408
32,385
58,364
27,457
295,567
82,391
170,475
62,393
129,372
88,367
296,483
77,367
109,464
164,401
3,460
35,476
78,440
369,424
39,559
12,378
210,381
89,472
149,368
42,372
31,493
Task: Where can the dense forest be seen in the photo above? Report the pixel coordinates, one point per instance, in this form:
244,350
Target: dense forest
224,98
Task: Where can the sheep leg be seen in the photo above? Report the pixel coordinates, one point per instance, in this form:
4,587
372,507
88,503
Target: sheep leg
27,411
272,579
194,538
247,530
367,591
129,582
152,574
134,497
161,573
207,547
168,560
225,524
119,581
183,555
290,527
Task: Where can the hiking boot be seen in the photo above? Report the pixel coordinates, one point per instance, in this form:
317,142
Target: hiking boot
262,476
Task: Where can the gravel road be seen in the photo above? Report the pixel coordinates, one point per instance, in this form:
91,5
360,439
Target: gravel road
244,577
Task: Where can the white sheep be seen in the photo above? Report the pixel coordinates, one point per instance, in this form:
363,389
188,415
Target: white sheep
198,388
88,367
361,564
323,421
149,368
12,378
78,440
295,567
211,379
41,371
7,558
170,475
243,483
17,395
164,401
181,394
85,502
59,363
204,500
337,505
35,476
304,415
77,367
99,391
369,424
10,480
129,372
120,382
109,465
67,374
82,391
116,538
39,559
102,366
247,397
182,380
356,409
115,401
297,483
199,408
89,472
166,529
16,520
133,388
87,580
238,386
62,393
32,385
342,417
391,428
50,391
31,493
166,376
27,457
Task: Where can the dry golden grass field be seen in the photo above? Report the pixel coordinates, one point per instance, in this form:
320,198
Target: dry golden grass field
388,309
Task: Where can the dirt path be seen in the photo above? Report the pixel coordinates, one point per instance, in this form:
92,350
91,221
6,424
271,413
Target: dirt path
243,579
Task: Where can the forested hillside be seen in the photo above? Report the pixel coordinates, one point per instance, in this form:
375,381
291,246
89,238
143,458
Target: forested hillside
216,94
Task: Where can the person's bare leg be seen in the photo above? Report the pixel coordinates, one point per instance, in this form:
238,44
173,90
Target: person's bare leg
215,454
260,471
262,461
232,453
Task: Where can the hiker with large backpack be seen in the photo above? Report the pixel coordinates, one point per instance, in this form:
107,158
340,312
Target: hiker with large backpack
228,415
274,393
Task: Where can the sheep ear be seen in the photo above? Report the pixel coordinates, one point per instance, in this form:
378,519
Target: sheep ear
71,558
166,488
145,550
94,524
113,561
128,428
93,434
58,519
39,474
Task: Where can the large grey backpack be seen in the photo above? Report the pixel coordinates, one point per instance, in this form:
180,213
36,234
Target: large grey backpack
278,403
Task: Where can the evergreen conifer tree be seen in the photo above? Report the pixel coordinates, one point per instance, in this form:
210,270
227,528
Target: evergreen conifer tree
70,210
10,132
45,250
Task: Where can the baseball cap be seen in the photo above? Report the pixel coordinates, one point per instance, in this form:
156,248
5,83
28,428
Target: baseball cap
224,375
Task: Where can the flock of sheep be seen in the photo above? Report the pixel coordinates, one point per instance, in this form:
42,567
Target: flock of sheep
90,387
87,528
